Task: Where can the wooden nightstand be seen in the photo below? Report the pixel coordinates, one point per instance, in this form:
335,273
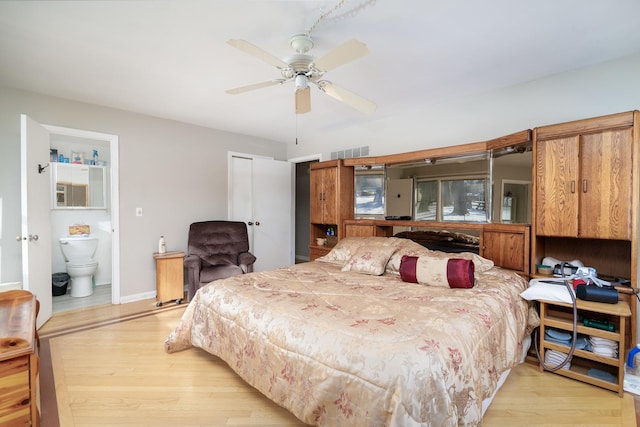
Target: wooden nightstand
169,277
559,315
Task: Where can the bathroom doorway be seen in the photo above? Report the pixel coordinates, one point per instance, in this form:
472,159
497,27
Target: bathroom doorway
39,197
94,150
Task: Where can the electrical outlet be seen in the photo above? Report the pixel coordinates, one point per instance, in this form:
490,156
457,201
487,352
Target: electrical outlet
138,211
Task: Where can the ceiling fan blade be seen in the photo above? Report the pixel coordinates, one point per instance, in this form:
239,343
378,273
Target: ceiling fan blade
259,53
303,100
346,52
349,98
254,86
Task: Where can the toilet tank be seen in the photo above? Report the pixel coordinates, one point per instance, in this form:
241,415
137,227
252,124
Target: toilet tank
78,249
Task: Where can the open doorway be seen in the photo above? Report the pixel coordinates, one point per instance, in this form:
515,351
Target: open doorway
99,152
302,205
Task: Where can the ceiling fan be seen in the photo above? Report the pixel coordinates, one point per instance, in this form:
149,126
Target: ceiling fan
304,69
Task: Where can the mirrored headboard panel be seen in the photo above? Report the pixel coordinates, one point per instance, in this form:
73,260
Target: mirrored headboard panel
472,183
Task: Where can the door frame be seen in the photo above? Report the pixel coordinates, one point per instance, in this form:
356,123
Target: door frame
114,199
527,209
295,161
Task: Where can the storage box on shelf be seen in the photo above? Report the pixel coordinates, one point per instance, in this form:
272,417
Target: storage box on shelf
560,316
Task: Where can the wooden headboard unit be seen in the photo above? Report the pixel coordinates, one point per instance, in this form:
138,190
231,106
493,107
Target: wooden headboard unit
507,245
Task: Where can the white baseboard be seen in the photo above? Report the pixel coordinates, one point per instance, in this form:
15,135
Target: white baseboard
137,297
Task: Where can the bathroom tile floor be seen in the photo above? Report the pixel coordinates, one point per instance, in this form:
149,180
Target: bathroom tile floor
101,295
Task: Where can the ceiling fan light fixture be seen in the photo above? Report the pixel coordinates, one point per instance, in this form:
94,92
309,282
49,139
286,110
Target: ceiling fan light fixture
302,82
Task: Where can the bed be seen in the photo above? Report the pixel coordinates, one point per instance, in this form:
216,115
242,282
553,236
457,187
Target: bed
346,340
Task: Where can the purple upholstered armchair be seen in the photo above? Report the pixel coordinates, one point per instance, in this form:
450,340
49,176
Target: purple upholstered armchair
217,249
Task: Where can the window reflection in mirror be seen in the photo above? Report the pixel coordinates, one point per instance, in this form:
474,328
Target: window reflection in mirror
452,189
369,191
458,199
78,186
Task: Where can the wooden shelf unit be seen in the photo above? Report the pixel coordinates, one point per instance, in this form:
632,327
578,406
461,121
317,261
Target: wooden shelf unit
331,202
560,316
586,198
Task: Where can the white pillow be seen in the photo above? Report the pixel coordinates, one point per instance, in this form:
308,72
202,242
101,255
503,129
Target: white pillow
548,292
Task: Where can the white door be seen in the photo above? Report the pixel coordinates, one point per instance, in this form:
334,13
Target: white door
260,194
273,214
36,215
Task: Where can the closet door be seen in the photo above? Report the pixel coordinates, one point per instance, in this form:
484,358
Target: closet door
557,187
260,194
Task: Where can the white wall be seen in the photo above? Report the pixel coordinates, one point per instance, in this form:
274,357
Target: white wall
607,88
175,171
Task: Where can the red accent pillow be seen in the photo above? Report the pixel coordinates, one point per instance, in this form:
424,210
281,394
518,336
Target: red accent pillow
451,272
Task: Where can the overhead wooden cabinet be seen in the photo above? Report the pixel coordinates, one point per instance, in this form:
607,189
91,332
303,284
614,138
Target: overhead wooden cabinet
331,203
584,185
324,195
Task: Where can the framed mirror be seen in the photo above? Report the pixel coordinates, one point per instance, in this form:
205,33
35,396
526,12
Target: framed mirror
76,186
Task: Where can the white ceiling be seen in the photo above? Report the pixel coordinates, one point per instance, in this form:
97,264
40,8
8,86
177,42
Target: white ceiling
170,58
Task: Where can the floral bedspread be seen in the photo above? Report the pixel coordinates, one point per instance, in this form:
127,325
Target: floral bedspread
349,349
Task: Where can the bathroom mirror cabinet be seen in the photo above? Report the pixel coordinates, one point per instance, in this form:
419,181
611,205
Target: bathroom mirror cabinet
76,186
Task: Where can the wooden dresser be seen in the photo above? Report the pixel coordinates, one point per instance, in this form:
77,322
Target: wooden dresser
18,359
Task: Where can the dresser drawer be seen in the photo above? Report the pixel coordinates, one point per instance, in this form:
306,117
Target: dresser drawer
15,404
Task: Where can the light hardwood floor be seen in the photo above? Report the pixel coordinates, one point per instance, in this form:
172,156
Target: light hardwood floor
109,368
101,295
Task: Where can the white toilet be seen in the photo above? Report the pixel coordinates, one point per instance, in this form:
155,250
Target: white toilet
78,251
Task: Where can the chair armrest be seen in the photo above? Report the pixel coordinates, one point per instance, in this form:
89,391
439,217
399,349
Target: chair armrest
192,261
245,261
193,264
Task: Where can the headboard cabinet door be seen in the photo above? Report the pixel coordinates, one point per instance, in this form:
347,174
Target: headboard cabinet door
507,245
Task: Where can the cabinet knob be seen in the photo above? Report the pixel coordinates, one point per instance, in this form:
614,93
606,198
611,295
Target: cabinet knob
250,223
